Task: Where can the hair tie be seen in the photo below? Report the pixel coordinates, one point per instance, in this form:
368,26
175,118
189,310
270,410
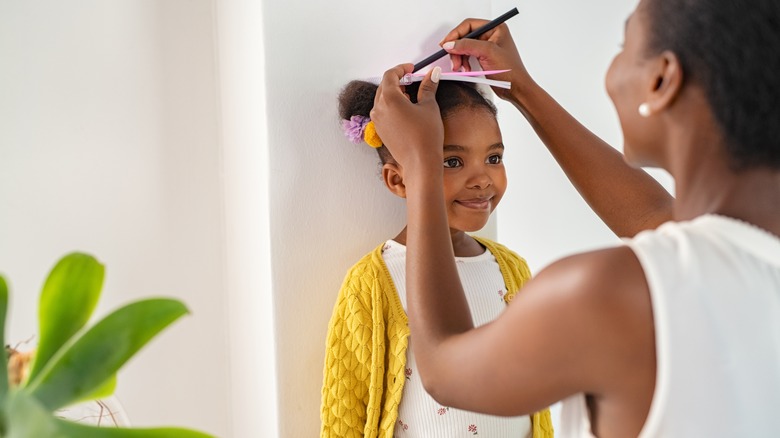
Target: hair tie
361,128
370,136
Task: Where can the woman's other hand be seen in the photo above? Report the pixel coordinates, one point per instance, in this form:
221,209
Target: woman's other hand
494,50
413,133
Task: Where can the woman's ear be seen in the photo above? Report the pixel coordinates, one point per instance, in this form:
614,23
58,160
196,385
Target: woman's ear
393,177
666,83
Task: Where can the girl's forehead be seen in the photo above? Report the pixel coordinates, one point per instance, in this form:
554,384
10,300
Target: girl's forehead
467,112
476,117
472,129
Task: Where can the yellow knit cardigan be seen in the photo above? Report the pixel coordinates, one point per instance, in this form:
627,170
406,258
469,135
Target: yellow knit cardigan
366,349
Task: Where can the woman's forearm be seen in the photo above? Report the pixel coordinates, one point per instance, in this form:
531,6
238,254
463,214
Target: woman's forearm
436,302
627,199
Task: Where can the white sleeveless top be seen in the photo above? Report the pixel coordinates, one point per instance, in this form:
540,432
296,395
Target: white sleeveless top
715,290
419,415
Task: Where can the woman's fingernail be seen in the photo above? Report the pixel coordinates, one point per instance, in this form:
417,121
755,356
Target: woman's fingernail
436,74
448,45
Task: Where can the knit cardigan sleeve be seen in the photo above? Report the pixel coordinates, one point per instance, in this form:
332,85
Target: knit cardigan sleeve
365,354
350,378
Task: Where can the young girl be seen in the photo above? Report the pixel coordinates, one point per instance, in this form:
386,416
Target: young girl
371,386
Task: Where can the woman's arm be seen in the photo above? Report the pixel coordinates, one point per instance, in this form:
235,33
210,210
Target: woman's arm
582,325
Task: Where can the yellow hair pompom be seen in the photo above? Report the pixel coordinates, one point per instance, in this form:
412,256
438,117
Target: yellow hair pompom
370,136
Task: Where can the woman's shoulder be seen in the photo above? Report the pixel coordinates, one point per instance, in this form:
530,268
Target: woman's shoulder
598,272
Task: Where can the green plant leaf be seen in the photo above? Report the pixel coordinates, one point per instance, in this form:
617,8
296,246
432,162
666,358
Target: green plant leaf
68,299
4,358
105,389
86,362
67,429
26,418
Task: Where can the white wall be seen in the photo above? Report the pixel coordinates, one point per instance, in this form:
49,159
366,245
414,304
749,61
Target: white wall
109,144
194,147
249,271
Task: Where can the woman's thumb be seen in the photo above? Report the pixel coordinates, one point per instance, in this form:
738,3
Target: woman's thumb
429,85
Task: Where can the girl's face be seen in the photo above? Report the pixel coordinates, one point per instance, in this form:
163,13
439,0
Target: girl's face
474,175
629,82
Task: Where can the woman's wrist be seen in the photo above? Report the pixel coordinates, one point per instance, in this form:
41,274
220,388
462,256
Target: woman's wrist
532,101
424,170
522,91
424,159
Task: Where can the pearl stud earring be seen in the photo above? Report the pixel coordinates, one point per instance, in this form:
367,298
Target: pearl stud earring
644,110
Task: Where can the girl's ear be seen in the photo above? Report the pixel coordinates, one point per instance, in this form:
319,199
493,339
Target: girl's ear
393,177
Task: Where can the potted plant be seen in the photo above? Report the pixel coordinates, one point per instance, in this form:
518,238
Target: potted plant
73,363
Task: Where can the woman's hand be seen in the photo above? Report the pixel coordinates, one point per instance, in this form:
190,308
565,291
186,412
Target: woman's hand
414,133
494,50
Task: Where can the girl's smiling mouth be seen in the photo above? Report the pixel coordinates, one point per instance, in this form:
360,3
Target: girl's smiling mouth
476,203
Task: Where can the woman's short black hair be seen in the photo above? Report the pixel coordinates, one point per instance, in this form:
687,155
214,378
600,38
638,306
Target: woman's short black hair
730,48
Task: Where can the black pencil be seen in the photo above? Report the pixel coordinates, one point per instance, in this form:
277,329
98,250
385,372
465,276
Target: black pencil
473,34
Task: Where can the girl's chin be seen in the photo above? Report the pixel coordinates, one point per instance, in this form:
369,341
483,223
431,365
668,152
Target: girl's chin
472,228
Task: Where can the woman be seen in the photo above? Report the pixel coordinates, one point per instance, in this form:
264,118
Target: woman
674,333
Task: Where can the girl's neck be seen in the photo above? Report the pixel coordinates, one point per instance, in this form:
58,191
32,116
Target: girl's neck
463,245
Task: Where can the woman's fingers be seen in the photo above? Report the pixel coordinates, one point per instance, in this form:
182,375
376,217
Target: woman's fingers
408,129
391,81
464,28
461,63
430,83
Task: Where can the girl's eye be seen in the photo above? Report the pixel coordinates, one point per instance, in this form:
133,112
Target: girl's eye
494,159
452,162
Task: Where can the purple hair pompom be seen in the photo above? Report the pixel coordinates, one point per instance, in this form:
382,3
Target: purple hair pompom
354,128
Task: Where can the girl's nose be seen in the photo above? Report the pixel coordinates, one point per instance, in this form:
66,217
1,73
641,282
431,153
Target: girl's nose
479,180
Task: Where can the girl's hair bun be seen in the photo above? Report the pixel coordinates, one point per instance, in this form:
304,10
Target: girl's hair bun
356,99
